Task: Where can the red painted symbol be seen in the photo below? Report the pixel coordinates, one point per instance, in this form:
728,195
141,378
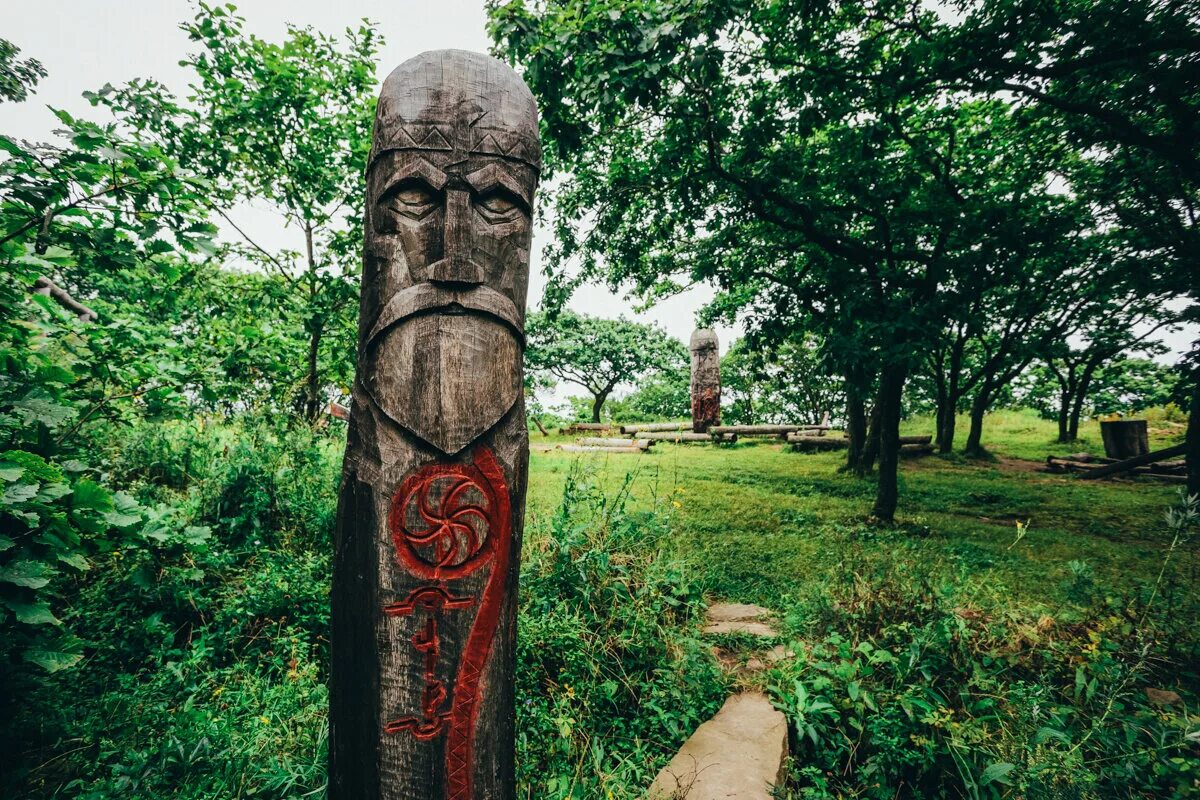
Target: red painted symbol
447,521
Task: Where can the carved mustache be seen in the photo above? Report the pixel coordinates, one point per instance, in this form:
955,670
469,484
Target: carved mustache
425,298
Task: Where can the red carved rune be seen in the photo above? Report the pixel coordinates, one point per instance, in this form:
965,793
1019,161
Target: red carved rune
447,521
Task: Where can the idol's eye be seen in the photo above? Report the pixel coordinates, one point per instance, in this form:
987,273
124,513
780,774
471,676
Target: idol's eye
499,205
412,199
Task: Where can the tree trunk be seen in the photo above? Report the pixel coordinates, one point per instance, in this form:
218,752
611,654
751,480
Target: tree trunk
598,403
1064,415
887,417
1193,439
946,431
856,427
312,382
1081,392
979,407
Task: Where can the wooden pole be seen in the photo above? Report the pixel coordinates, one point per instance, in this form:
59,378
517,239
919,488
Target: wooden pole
432,499
706,380
1136,461
655,427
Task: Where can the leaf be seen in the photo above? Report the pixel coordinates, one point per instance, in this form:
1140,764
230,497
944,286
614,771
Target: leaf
32,574
10,472
5,543
37,613
52,660
19,493
997,773
91,496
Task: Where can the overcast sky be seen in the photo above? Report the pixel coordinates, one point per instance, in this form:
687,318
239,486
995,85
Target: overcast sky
84,44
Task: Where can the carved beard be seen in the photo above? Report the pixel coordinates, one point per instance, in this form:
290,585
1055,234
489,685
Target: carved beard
442,383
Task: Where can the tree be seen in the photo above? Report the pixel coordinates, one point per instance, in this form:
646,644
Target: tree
789,384
792,155
1121,79
599,354
287,126
97,210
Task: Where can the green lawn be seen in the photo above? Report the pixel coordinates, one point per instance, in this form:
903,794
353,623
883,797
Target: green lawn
760,523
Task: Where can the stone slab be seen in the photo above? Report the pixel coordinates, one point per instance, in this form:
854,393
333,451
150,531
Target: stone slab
738,754
739,618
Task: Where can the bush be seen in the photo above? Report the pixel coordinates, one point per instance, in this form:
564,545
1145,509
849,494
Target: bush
897,690
611,674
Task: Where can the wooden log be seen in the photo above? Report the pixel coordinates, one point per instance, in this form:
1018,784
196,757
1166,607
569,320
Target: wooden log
601,441
590,426
681,437
579,448
338,411
764,430
654,427
907,439
1136,461
1125,438
706,379
914,450
432,500
541,428
804,436
802,444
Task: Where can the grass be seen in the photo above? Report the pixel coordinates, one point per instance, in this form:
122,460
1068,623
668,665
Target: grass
206,669
760,523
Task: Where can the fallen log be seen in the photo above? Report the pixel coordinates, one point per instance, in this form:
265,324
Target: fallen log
764,430
907,439
914,450
1136,461
578,448
598,441
1159,470
591,427
802,444
650,427
688,436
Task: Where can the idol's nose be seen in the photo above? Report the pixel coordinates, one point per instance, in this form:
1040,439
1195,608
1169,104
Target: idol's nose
456,264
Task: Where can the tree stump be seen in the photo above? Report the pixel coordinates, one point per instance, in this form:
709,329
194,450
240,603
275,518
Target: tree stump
432,501
706,380
1125,438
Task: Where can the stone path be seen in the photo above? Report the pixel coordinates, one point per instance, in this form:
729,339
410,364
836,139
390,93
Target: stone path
738,754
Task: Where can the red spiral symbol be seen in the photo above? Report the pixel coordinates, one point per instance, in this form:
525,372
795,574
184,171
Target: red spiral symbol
441,520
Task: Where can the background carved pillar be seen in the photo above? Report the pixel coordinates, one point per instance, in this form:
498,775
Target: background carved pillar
706,380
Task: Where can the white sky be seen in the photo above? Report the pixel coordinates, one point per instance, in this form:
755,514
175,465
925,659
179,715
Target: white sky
84,44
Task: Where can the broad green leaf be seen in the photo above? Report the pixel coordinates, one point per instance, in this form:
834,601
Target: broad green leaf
33,574
997,773
18,493
36,613
52,660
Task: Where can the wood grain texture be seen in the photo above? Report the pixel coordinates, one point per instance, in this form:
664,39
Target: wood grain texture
432,499
706,380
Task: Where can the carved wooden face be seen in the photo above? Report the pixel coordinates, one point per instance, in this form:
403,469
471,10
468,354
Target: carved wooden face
450,194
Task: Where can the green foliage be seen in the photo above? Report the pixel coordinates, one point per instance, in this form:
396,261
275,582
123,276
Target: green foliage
786,385
17,76
611,674
896,684
599,354
286,125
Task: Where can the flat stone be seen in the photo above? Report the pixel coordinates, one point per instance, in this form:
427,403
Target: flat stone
738,618
733,612
737,626
739,754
